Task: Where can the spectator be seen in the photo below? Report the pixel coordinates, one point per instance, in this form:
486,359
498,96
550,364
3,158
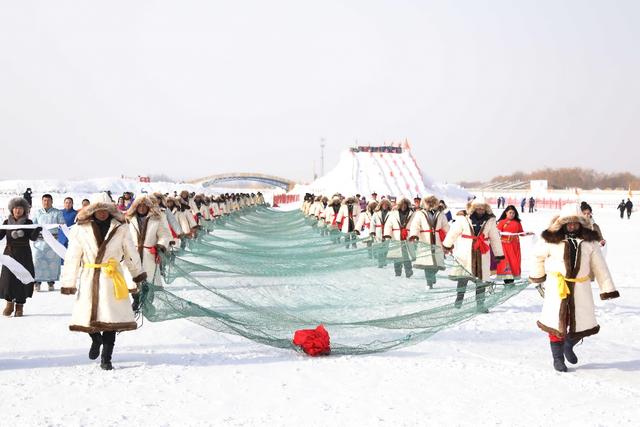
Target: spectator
46,260
27,196
12,290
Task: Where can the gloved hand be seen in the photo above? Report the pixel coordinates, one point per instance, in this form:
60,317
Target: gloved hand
135,306
35,234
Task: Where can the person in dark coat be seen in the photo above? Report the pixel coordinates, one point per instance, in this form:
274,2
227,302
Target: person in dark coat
523,203
621,207
27,196
532,204
12,290
629,207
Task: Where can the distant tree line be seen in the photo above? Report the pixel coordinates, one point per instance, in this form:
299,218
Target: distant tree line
587,179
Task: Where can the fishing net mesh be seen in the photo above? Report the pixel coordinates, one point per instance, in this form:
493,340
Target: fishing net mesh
265,274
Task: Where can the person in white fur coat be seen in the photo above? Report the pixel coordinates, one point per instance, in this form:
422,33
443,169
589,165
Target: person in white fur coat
346,219
150,235
470,239
378,223
92,268
320,215
331,217
397,229
569,257
429,227
363,224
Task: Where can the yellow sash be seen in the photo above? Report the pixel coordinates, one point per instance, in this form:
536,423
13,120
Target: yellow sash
563,288
112,271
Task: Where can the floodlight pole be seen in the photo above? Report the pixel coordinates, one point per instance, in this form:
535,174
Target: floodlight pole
322,145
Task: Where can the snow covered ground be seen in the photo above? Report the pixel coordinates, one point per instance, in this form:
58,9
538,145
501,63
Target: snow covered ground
494,369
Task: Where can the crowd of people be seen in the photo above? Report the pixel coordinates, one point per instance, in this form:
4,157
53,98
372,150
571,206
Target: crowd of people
106,236
483,245
102,238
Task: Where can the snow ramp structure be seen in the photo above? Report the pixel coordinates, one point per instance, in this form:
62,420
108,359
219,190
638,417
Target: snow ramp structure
389,170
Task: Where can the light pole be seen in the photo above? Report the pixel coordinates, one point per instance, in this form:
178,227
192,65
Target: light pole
322,156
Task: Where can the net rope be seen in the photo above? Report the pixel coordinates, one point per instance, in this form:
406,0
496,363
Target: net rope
264,274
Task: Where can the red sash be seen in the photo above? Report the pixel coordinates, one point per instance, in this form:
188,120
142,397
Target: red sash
404,233
154,251
441,233
479,244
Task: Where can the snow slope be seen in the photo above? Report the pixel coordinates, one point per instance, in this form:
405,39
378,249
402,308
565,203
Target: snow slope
494,369
389,174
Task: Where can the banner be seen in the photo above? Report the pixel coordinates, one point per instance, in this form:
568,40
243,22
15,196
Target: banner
15,267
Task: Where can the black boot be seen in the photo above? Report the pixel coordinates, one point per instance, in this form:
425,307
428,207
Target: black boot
568,350
96,342
105,360
557,350
109,341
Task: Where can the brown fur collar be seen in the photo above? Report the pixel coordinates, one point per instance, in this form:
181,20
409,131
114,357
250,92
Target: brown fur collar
558,236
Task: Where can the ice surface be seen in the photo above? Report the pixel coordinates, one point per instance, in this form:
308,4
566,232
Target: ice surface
494,369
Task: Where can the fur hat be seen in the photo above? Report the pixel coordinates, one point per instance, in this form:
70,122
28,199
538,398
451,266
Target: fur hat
99,202
429,202
476,203
335,200
372,205
569,213
383,202
350,200
145,200
402,200
19,202
158,198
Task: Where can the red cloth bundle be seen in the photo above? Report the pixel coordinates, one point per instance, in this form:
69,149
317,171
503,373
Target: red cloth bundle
314,342
404,233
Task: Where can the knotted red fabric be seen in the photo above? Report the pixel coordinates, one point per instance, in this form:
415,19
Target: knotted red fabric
404,233
479,244
154,251
441,233
314,342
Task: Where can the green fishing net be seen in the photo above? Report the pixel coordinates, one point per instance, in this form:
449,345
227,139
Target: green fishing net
265,274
